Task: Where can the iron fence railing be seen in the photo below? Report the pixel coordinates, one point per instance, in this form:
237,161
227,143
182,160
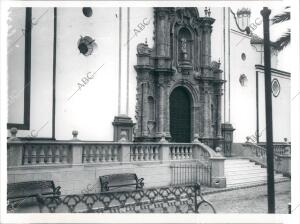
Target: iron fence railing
195,173
171,199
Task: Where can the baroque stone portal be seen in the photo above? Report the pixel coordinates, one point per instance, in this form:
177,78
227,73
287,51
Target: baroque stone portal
178,87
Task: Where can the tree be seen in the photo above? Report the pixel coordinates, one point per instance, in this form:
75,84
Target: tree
285,39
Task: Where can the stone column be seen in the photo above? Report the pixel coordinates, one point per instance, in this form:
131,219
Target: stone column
144,109
206,106
206,46
167,112
162,31
161,105
219,127
206,26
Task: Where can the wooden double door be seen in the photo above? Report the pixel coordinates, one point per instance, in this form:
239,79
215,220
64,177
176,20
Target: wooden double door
180,115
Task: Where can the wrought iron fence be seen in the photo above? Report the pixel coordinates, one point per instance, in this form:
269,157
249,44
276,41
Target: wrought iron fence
177,199
191,174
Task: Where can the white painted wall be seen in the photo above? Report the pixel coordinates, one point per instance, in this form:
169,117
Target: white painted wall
92,109
281,109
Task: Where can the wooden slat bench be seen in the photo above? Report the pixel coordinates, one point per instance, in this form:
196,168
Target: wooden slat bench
31,189
123,180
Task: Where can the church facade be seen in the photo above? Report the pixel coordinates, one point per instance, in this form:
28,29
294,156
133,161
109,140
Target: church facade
176,73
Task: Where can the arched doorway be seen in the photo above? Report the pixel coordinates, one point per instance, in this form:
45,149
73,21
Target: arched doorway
180,115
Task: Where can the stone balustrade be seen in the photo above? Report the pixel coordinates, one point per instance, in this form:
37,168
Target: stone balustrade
35,153
181,152
67,162
101,153
281,148
282,162
144,152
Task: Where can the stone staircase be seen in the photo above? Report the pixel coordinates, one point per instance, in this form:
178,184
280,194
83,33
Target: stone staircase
243,172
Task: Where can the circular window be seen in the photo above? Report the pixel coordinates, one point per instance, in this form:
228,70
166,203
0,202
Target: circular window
86,45
87,11
275,87
243,56
243,80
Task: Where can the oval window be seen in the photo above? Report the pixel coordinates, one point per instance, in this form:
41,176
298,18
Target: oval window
243,56
87,11
275,87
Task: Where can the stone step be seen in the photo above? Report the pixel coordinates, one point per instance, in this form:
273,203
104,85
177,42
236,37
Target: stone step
243,172
247,183
237,161
250,166
250,176
255,183
246,172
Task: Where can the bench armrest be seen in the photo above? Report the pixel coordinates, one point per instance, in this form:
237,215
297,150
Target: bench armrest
140,183
104,186
57,190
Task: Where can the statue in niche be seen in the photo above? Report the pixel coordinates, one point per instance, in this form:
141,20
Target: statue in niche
184,48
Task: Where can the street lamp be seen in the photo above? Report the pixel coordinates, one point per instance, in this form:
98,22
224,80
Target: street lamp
265,12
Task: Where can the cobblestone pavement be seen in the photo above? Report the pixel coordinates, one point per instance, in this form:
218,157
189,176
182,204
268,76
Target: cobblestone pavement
251,200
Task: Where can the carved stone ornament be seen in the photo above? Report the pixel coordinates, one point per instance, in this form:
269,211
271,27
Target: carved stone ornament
143,48
180,58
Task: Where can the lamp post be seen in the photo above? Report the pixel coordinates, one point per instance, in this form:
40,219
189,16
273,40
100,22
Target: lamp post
265,12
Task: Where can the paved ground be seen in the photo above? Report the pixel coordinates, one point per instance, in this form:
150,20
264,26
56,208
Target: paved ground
251,200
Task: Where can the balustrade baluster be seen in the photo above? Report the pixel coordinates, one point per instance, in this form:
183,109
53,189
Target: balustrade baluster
175,152
56,155
184,149
96,154
63,156
139,153
49,156
113,154
134,153
83,154
145,153
26,156
33,155
45,150
150,153
42,155
178,153
155,153
108,154
101,154
89,156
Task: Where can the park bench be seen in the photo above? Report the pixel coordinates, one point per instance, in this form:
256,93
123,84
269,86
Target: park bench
28,189
123,180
